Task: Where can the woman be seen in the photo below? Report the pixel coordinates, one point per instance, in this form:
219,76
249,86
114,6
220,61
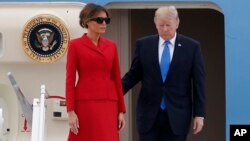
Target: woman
95,103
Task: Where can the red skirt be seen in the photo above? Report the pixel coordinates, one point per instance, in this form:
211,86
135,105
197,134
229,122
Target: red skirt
98,121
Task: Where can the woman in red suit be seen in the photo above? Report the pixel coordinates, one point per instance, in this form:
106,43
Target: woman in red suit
95,104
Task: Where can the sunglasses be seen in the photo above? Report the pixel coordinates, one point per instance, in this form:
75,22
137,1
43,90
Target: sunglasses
100,20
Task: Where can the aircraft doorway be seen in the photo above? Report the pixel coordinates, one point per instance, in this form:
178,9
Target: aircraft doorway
201,21
206,26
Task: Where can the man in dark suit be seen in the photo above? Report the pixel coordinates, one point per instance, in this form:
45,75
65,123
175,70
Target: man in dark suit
170,67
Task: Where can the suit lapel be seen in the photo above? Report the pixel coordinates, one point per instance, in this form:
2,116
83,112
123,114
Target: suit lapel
176,55
89,44
101,45
155,52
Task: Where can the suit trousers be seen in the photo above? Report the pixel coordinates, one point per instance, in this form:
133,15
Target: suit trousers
161,130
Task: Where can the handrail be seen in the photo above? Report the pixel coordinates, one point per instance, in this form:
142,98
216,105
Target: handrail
25,105
38,124
42,112
35,114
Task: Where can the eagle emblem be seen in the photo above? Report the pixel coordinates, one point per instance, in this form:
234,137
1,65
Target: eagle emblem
45,39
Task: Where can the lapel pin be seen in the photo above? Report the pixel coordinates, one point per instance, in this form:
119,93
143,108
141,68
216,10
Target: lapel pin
179,45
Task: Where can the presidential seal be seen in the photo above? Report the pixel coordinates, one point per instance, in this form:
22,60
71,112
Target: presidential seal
45,38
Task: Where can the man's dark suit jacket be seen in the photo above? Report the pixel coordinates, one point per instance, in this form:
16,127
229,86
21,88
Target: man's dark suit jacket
184,86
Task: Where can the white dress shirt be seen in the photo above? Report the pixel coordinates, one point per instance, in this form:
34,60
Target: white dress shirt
161,47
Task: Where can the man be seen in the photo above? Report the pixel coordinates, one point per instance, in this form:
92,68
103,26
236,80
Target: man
170,67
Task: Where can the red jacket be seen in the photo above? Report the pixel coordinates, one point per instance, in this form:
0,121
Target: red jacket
98,72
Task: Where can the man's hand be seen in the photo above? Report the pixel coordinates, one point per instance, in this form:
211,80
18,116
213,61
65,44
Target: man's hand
198,124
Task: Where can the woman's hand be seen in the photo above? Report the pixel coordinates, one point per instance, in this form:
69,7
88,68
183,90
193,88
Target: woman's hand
121,121
73,122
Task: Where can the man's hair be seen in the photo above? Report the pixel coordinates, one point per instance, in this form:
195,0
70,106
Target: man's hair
167,12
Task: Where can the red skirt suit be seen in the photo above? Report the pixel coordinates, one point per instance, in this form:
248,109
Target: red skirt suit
97,96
